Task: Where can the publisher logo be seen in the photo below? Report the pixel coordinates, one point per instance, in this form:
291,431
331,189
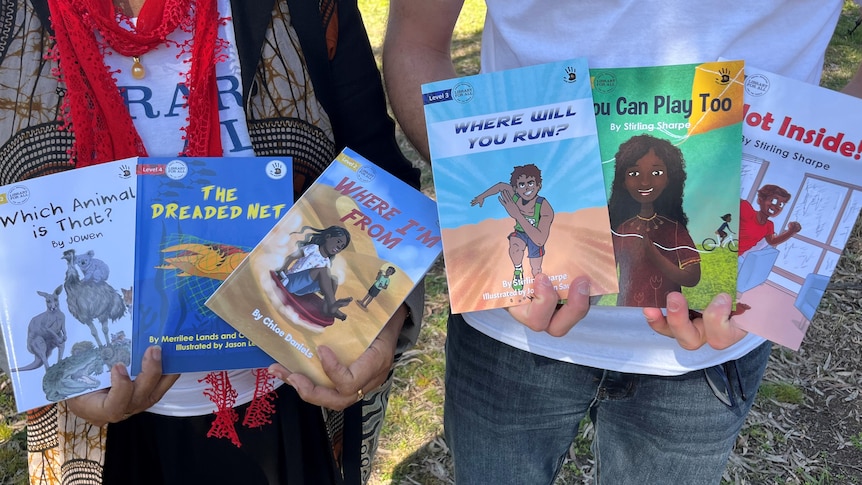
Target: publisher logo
125,172
276,169
571,75
463,92
366,174
756,85
176,169
17,195
604,82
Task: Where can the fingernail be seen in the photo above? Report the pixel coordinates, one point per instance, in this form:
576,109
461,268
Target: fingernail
648,318
157,352
584,288
672,305
542,279
121,369
722,299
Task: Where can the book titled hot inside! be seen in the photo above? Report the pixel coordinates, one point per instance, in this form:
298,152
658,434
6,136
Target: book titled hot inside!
66,261
335,267
801,194
519,184
198,219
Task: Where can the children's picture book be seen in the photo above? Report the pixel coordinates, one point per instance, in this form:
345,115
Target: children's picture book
334,269
198,218
801,194
519,186
670,151
67,261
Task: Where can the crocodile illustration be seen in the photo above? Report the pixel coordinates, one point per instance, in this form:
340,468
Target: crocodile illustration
75,373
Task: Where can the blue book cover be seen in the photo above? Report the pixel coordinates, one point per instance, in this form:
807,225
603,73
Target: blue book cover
66,260
518,177
198,219
335,267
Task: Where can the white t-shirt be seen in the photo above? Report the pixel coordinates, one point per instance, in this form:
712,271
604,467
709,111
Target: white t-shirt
786,37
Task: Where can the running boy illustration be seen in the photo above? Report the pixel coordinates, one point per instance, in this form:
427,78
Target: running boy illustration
654,250
307,270
533,216
755,226
381,282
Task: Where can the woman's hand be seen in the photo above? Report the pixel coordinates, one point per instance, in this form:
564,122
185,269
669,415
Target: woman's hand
125,397
352,382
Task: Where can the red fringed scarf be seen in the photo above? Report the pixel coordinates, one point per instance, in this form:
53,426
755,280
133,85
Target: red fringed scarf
93,107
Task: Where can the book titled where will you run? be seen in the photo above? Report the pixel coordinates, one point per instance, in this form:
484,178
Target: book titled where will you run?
519,183
670,145
198,218
334,269
801,194
66,261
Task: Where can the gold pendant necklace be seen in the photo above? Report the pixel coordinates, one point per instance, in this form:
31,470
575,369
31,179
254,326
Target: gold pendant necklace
138,71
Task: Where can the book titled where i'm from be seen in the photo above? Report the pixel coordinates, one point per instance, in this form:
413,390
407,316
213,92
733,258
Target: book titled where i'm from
519,184
334,269
670,148
66,278
198,218
801,194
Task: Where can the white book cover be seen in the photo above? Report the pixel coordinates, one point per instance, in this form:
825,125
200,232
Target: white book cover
801,193
67,261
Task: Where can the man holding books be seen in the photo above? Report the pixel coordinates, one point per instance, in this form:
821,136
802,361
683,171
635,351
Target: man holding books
667,394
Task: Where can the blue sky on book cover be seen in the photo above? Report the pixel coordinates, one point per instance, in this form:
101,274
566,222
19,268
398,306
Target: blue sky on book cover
199,218
67,260
481,130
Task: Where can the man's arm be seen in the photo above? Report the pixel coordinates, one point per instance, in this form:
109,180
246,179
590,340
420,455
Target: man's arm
416,51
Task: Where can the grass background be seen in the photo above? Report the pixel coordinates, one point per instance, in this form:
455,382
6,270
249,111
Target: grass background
806,425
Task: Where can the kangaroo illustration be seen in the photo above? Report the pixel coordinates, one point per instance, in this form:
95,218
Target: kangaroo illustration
46,332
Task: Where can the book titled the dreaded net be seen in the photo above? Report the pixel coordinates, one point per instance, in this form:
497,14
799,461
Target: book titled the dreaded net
334,269
198,219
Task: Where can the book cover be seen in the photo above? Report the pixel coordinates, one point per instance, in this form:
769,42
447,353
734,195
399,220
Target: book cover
801,194
67,261
198,219
334,268
670,150
518,180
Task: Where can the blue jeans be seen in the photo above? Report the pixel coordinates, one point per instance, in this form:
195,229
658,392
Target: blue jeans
510,416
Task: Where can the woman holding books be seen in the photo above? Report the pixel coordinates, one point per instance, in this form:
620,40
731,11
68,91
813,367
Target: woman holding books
89,81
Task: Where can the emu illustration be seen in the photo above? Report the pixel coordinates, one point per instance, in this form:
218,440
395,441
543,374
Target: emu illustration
91,300
46,332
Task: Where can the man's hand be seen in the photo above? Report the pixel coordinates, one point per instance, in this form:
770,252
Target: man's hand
352,382
713,327
125,397
543,314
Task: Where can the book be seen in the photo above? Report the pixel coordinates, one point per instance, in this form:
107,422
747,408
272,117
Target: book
801,194
518,180
198,219
67,264
669,138
334,269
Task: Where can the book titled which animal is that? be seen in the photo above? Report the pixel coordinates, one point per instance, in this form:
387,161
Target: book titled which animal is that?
198,218
66,261
334,269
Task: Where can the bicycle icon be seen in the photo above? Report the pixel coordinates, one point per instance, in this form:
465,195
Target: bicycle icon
710,244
